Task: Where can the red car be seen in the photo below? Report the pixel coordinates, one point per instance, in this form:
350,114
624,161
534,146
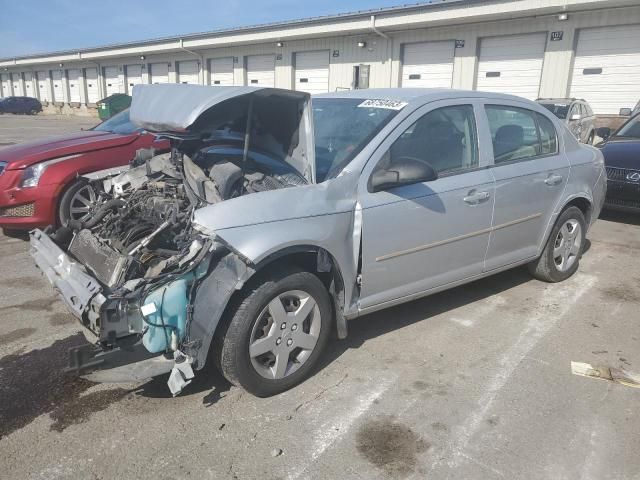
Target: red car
39,181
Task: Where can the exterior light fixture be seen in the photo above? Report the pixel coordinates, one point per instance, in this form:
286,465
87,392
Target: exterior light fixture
61,65
563,16
142,57
362,44
280,44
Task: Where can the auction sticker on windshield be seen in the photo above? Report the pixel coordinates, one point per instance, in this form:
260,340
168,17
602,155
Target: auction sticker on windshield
380,103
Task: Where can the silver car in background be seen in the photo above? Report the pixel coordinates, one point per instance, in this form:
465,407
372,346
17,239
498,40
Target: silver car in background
576,113
275,220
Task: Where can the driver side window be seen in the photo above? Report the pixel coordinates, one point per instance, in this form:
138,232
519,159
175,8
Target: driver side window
444,138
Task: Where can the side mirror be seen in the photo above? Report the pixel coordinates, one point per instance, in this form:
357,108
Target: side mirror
603,132
401,171
625,112
575,116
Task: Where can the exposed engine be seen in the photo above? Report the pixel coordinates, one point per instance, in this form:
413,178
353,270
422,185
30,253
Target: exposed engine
142,226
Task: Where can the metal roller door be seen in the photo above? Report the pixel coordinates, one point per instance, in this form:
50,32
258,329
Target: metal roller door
17,85
93,91
312,71
159,72
188,72
74,78
512,64
6,86
606,70
28,85
112,81
221,71
56,77
134,77
261,70
428,65
43,86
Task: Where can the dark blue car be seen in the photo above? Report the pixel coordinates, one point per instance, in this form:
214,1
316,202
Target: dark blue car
24,105
621,150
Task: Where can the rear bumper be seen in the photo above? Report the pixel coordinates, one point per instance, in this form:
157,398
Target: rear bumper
38,203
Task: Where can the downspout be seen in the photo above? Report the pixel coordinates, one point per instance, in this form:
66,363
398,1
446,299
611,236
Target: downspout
200,59
375,30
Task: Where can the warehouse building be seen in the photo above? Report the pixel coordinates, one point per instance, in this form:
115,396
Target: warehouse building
533,48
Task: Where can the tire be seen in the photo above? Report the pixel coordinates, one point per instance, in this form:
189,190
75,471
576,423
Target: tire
254,321
70,200
561,255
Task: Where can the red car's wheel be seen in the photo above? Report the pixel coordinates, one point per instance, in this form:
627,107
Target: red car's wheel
77,203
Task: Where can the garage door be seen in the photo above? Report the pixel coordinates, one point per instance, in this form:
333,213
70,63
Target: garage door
428,65
17,85
93,91
56,77
43,86
261,70
188,72
6,85
75,81
606,70
112,81
28,84
221,71
312,71
134,77
512,64
159,72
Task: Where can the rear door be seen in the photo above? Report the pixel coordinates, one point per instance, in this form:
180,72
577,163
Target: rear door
531,172
427,235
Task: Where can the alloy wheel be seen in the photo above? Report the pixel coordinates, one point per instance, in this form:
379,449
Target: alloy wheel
567,245
285,334
82,203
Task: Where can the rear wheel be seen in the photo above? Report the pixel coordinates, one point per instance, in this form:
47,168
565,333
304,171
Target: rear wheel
275,332
561,256
78,202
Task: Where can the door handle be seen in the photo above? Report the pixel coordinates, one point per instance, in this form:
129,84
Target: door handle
473,198
553,180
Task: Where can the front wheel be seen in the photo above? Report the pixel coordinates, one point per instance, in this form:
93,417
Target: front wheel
274,334
78,202
561,255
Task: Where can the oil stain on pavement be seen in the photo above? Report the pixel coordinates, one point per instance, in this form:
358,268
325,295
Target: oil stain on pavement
390,446
34,384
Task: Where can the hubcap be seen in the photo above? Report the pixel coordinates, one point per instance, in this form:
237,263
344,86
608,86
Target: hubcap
567,245
82,203
285,334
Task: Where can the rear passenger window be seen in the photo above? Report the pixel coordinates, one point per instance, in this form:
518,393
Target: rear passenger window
519,134
445,138
548,137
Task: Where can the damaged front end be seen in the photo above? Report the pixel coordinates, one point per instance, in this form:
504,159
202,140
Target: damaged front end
131,272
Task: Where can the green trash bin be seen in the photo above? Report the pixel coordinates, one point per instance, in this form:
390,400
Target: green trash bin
108,107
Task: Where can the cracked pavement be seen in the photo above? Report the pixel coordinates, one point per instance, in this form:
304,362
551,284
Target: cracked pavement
470,383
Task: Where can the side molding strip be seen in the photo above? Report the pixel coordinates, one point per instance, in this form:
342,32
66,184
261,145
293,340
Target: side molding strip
458,238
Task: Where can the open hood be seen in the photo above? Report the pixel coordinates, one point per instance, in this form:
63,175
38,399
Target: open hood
280,121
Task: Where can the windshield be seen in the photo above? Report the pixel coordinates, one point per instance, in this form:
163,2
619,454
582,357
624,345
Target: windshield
119,123
342,129
630,129
560,110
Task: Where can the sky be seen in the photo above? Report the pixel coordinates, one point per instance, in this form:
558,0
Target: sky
39,26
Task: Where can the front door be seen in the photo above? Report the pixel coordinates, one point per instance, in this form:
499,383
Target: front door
530,174
422,236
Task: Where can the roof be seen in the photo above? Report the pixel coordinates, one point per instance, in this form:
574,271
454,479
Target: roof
251,28
418,95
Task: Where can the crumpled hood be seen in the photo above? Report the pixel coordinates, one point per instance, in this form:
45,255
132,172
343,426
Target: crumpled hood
327,198
181,109
23,155
622,153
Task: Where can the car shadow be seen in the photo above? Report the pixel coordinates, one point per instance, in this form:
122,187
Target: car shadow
618,216
380,323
